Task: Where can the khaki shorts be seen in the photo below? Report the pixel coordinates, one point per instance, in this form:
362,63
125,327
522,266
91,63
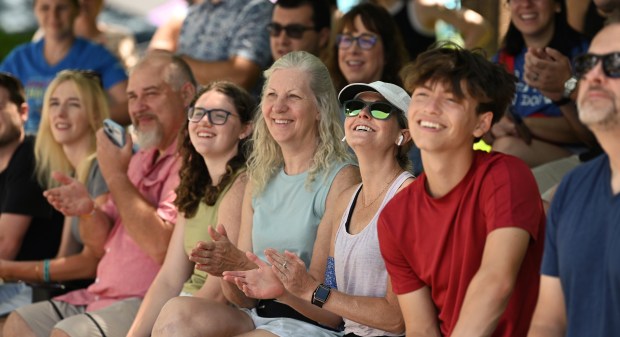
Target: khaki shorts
114,320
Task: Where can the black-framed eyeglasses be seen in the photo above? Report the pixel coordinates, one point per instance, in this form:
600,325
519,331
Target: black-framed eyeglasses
294,31
378,110
364,41
586,62
215,116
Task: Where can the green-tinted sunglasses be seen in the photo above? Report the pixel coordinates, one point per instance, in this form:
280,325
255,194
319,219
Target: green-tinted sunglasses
378,110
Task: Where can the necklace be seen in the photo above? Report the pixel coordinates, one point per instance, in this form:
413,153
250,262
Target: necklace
365,205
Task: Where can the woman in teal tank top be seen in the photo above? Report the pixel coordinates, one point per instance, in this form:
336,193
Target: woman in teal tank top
298,167
210,193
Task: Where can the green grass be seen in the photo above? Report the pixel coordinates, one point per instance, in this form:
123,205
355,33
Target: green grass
9,41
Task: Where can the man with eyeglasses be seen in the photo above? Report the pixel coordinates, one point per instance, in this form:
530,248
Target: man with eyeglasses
226,40
462,243
580,282
30,228
299,25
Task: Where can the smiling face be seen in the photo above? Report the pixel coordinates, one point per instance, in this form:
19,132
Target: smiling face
363,130
357,64
68,116
155,108
217,140
311,40
56,17
439,121
534,18
289,108
599,96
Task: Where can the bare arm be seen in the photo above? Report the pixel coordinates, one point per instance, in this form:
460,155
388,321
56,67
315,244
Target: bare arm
474,29
68,246
232,293
118,103
168,283
419,313
13,227
228,214
139,217
166,37
550,315
238,70
490,289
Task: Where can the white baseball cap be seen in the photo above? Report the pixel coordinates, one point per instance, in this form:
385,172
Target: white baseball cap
394,94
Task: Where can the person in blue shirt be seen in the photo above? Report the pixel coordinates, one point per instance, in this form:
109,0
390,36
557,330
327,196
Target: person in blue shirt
537,48
37,63
580,282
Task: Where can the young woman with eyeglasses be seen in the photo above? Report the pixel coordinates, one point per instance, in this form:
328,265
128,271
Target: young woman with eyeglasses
367,48
210,193
298,167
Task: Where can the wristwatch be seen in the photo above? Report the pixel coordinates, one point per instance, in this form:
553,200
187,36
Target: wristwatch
320,295
569,87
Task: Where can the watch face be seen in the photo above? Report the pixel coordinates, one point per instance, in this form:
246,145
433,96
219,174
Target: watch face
322,293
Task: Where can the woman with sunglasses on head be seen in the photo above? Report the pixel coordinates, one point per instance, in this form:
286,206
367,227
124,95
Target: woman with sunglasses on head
368,47
211,191
37,63
74,108
298,167
538,46
356,288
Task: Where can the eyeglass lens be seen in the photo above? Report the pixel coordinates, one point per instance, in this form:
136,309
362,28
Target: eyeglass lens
364,41
586,62
378,110
216,116
294,31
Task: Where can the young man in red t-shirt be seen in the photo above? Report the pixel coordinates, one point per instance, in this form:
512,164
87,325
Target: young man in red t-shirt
463,243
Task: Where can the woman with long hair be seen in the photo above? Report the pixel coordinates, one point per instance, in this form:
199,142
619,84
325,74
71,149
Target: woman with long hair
538,46
356,290
297,169
211,191
74,108
368,47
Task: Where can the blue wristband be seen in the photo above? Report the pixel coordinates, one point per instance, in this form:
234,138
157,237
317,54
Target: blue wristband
46,270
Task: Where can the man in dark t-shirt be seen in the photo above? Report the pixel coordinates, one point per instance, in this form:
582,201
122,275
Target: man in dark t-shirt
29,226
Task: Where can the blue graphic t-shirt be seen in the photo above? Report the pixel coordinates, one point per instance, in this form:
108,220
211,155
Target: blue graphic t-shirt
529,101
28,64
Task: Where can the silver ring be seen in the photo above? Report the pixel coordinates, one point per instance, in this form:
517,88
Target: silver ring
284,264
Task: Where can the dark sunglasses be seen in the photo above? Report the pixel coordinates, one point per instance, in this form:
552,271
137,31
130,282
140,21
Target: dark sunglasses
364,41
216,116
378,110
294,31
586,62
88,74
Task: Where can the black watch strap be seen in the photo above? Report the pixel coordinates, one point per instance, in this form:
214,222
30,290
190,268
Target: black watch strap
320,295
562,101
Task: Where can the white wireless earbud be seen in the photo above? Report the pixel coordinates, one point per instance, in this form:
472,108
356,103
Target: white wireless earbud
400,139
344,138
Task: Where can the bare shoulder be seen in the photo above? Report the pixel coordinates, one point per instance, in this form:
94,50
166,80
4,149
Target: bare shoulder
346,177
237,189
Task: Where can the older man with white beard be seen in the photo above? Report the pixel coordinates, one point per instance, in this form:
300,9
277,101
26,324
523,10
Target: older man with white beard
580,283
140,213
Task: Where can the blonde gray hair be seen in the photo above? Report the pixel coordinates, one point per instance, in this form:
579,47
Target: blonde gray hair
266,157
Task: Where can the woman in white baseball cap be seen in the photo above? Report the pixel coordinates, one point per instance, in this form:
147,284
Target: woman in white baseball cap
356,289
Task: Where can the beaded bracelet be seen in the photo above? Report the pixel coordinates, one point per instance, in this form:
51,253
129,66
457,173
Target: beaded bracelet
46,270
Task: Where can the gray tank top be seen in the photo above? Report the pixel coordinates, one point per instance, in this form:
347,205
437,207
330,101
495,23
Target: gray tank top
360,269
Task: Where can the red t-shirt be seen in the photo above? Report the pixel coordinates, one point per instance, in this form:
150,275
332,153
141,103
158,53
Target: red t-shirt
439,242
